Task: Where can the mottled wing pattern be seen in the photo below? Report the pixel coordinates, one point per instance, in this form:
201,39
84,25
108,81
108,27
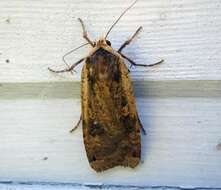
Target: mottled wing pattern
111,129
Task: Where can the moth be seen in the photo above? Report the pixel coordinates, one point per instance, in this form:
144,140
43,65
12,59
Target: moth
111,125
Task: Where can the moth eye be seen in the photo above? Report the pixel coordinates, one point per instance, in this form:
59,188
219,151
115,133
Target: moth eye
108,42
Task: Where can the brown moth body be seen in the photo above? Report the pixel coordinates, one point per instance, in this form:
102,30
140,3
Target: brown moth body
111,126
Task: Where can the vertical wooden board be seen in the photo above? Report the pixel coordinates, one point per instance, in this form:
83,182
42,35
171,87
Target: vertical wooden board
179,149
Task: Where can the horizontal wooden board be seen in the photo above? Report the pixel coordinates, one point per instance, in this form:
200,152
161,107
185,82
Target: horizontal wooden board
36,34
180,149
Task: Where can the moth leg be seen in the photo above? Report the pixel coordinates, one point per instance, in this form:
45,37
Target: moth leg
141,65
67,69
77,125
130,39
142,128
85,36
68,53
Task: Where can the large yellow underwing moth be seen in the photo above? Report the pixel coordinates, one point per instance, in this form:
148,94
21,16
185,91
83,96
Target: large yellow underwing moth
111,126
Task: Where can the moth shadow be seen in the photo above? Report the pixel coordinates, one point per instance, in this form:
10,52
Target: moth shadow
144,108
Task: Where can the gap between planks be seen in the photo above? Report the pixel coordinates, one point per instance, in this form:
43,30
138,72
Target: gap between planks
188,88
72,186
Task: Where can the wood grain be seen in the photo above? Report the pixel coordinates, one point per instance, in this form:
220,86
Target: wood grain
35,35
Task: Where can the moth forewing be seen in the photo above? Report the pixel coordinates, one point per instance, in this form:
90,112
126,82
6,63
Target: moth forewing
111,129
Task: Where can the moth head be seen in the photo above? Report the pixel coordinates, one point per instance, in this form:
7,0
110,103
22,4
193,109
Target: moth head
103,42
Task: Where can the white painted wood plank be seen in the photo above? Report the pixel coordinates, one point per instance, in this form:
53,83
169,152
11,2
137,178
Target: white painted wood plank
180,148
36,34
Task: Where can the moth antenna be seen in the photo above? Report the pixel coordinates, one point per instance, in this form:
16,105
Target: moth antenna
68,53
120,18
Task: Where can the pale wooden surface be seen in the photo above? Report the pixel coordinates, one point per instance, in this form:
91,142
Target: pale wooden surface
36,34
179,101
180,148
